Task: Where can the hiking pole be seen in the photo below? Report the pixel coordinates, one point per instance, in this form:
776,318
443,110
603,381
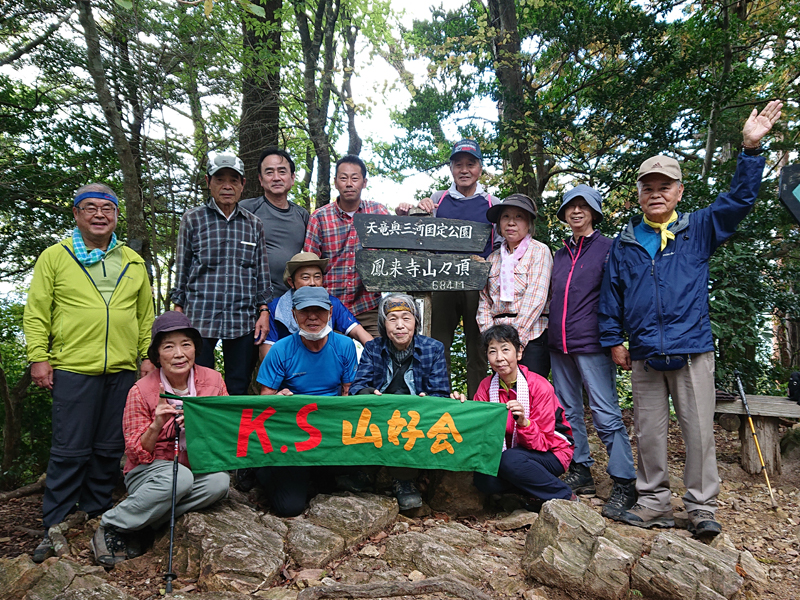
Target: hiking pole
755,437
169,576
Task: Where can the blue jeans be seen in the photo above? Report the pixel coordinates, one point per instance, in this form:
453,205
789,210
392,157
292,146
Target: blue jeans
528,472
598,374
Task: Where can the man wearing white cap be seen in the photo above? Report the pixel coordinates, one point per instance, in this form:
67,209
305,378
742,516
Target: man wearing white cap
223,282
655,289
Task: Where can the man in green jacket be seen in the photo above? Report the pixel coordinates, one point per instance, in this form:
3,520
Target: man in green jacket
87,322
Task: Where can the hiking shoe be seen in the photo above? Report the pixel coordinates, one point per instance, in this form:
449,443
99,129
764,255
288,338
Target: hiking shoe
356,481
623,497
641,516
407,495
44,550
108,546
245,479
703,524
137,542
579,478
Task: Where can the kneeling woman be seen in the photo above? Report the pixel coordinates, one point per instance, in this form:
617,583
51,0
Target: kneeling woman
149,428
538,443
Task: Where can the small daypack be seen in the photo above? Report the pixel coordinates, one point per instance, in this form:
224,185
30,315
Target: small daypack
794,387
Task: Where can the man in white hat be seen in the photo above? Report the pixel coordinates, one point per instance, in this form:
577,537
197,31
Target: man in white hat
655,289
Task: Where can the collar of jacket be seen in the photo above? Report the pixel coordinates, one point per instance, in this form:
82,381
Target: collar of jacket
629,237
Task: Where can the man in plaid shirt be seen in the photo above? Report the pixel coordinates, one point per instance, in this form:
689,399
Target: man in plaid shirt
223,282
330,234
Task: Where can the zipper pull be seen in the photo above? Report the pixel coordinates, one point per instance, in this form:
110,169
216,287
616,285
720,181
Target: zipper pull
652,266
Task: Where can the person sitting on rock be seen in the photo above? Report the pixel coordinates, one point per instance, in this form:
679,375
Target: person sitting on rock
401,361
306,269
148,425
314,361
538,445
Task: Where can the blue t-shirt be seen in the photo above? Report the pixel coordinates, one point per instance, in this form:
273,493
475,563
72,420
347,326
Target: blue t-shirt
649,238
282,323
291,365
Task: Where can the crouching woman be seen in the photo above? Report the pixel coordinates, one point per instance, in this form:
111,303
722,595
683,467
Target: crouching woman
538,442
149,425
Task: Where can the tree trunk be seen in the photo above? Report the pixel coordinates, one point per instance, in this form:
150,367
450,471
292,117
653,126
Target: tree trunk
351,34
12,427
259,126
512,110
137,230
719,97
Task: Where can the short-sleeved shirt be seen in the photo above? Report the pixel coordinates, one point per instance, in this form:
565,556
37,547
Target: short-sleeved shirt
282,323
331,235
291,365
284,230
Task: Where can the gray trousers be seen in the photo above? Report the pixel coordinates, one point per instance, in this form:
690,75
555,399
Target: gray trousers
693,395
149,500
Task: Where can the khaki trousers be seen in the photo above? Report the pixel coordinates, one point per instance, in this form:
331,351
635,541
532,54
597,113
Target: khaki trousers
693,396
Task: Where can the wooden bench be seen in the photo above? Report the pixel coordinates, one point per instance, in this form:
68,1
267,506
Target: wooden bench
766,412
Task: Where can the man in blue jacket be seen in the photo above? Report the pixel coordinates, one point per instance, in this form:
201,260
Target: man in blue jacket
655,288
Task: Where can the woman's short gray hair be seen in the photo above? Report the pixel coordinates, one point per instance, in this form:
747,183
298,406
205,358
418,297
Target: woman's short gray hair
392,300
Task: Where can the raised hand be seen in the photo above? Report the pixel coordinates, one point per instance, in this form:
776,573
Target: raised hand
757,125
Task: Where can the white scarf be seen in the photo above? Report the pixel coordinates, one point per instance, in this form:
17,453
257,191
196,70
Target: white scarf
508,262
178,403
523,397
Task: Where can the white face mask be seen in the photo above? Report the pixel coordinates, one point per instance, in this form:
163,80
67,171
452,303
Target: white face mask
313,337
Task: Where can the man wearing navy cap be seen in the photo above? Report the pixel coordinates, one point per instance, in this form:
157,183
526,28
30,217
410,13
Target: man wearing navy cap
223,282
465,199
87,321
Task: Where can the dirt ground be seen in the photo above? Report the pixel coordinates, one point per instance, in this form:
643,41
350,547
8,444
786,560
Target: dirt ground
771,535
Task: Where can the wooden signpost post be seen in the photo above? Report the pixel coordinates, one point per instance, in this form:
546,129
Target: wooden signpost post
397,256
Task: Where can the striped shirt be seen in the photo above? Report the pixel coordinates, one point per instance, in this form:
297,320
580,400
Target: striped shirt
330,234
531,294
223,271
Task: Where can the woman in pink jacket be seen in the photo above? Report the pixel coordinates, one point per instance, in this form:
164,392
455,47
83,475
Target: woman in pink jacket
538,442
149,425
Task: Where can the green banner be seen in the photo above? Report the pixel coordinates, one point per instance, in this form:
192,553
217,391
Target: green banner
235,432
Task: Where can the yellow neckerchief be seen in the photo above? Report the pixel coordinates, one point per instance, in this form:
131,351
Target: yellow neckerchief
666,234
506,386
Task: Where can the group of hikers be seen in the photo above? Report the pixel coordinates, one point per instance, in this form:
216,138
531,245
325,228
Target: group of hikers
272,282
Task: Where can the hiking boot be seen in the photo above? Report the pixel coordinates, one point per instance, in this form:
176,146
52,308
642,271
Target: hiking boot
44,550
641,516
356,481
407,495
137,542
108,546
245,479
579,478
703,524
623,497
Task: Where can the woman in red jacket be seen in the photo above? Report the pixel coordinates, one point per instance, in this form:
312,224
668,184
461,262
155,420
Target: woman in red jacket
538,442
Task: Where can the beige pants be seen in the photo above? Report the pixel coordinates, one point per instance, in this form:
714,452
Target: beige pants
693,396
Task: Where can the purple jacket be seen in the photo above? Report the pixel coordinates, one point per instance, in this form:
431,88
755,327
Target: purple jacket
577,275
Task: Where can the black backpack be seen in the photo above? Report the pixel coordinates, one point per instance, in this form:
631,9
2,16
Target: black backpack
794,387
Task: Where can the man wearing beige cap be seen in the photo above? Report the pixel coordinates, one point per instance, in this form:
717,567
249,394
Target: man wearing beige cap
655,289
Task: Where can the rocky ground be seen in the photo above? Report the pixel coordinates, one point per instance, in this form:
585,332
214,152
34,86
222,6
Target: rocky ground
352,540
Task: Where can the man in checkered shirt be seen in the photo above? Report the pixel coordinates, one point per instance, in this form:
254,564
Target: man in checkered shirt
223,282
330,234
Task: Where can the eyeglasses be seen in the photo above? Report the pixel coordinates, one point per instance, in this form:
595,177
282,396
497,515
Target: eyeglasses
108,210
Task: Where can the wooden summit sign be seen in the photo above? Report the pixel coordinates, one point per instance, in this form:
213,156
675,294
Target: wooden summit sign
421,233
393,271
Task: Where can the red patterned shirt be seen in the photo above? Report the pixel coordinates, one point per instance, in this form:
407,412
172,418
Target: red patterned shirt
330,234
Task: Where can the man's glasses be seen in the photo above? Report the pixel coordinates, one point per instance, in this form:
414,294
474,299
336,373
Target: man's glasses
108,210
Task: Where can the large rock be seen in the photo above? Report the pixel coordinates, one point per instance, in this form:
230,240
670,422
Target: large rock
456,534
517,520
558,547
64,574
452,492
17,576
608,572
683,569
228,548
312,546
414,550
101,592
354,517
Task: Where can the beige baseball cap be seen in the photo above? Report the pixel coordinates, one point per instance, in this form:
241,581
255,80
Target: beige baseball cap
664,165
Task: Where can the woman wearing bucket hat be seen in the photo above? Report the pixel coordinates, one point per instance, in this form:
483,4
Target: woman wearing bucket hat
149,428
576,356
519,281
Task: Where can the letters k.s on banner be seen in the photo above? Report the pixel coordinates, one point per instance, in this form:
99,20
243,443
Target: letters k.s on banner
235,432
